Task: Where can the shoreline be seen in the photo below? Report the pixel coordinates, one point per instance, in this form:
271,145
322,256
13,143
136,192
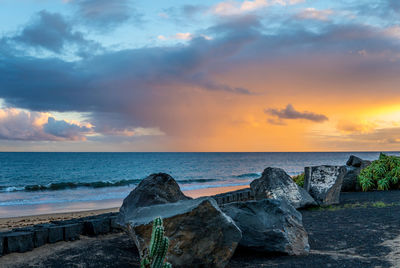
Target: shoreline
95,208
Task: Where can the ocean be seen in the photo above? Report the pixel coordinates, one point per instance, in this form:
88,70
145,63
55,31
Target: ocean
39,183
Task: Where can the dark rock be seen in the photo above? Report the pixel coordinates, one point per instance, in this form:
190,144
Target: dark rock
355,161
19,241
269,225
324,183
56,233
72,231
353,169
95,227
200,234
157,188
275,183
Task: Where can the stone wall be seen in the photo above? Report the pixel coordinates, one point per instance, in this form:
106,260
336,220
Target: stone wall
235,196
27,238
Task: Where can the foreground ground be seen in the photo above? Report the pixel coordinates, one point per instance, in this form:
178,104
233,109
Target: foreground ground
363,231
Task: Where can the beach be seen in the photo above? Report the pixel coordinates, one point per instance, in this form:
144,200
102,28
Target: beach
8,223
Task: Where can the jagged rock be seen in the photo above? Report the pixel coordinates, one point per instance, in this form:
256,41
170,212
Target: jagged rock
200,234
324,183
275,183
269,225
355,161
353,169
156,189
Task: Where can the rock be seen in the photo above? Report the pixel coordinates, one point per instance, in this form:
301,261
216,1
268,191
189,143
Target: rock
19,241
275,183
95,227
353,169
157,188
72,231
269,225
355,161
56,233
200,234
324,183
1,245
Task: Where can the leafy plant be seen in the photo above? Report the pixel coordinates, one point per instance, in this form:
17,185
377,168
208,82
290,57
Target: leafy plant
299,179
155,257
382,174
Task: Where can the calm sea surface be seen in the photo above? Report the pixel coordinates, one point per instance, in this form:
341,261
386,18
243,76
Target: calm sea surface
32,183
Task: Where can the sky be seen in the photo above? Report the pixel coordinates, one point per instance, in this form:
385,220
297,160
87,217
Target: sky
199,76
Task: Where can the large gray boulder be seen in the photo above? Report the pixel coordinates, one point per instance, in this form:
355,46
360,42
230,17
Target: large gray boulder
324,183
275,183
158,188
353,168
200,234
269,225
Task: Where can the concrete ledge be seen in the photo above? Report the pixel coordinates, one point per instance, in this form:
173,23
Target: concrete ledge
95,227
18,242
72,231
235,196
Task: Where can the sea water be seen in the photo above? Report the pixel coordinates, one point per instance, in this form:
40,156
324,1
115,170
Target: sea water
34,183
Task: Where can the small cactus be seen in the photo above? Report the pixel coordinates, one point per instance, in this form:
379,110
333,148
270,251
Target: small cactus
158,248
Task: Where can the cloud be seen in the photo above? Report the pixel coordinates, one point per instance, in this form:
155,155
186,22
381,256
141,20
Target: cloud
35,126
290,113
228,8
105,14
168,87
178,36
315,14
348,127
23,125
52,32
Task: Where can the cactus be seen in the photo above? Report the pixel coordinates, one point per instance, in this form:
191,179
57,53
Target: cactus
158,248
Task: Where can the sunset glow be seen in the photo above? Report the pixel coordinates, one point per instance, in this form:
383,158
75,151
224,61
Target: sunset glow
206,76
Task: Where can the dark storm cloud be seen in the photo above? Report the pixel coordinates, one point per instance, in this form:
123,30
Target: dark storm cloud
52,32
289,112
141,87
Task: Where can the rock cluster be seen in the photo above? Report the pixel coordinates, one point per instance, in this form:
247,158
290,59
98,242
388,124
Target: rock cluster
203,234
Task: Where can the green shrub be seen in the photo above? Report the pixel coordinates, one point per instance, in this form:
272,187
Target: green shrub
382,174
299,179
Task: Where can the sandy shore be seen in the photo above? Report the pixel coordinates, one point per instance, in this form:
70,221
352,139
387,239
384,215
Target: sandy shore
15,222
9,223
